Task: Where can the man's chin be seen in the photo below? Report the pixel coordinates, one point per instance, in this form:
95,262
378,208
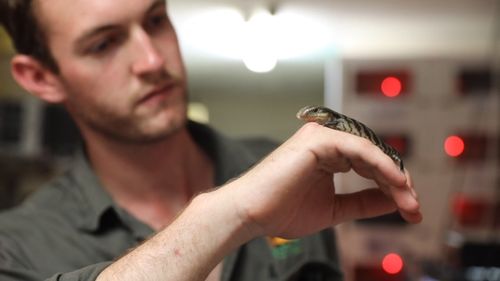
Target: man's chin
161,136
161,133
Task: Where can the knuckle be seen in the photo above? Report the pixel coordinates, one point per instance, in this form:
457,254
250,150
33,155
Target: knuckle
309,128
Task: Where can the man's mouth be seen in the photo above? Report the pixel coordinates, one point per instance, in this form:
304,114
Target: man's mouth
158,93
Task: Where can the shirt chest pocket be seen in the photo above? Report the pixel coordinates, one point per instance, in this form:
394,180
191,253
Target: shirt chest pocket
308,259
308,270
314,271
300,261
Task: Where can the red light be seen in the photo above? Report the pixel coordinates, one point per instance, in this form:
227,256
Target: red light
469,211
391,87
454,146
400,142
392,263
383,82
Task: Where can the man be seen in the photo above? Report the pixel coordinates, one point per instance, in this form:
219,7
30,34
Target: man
117,69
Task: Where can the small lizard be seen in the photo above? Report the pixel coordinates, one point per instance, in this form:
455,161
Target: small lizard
332,119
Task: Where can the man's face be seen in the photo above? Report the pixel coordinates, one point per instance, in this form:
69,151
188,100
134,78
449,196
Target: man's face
120,66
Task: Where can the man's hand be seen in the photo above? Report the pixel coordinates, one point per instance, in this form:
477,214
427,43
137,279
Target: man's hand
291,192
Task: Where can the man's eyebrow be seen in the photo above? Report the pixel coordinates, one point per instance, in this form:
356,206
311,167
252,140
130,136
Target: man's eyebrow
102,29
93,32
156,4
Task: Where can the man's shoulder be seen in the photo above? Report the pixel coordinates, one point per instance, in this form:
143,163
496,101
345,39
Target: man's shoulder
48,205
213,140
239,154
231,155
259,146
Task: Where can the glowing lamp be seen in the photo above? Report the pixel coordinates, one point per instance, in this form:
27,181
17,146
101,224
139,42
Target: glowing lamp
454,146
260,53
391,87
392,263
383,83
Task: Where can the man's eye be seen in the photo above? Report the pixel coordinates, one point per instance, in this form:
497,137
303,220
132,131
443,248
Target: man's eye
157,21
103,45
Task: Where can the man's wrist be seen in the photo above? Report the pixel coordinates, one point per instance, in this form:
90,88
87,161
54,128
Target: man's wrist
226,203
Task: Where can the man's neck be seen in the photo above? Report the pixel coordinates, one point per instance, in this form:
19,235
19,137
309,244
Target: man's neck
153,182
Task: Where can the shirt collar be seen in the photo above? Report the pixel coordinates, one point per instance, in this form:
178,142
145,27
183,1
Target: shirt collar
98,208
96,201
230,157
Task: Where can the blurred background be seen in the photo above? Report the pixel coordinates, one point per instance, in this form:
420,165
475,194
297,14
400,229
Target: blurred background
423,74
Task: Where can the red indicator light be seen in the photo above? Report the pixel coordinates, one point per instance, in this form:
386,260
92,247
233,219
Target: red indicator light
392,263
383,83
400,142
454,146
391,87
470,211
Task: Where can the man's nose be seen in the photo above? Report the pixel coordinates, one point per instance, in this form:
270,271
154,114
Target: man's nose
147,58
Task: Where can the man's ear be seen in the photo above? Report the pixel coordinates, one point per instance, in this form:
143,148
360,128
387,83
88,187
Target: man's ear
37,79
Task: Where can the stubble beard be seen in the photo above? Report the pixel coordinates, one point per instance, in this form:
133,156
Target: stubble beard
130,129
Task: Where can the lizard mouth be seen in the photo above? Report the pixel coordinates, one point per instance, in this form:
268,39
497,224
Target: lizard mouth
313,114
305,113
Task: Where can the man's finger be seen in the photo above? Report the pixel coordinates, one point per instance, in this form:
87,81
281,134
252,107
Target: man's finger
367,159
362,204
369,203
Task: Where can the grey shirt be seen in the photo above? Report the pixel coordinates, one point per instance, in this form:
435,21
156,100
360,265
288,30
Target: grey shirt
71,229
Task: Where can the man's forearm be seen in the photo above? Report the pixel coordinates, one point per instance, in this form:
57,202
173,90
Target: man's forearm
189,248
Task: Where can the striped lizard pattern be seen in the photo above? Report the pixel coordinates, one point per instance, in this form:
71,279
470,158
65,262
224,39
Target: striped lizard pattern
337,121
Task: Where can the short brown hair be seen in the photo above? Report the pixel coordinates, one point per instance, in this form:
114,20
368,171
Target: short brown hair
19,19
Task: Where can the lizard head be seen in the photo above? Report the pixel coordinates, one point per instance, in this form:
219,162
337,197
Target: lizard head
318,114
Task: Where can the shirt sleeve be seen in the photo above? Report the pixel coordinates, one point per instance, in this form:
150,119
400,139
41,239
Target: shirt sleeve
88,273
15,268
